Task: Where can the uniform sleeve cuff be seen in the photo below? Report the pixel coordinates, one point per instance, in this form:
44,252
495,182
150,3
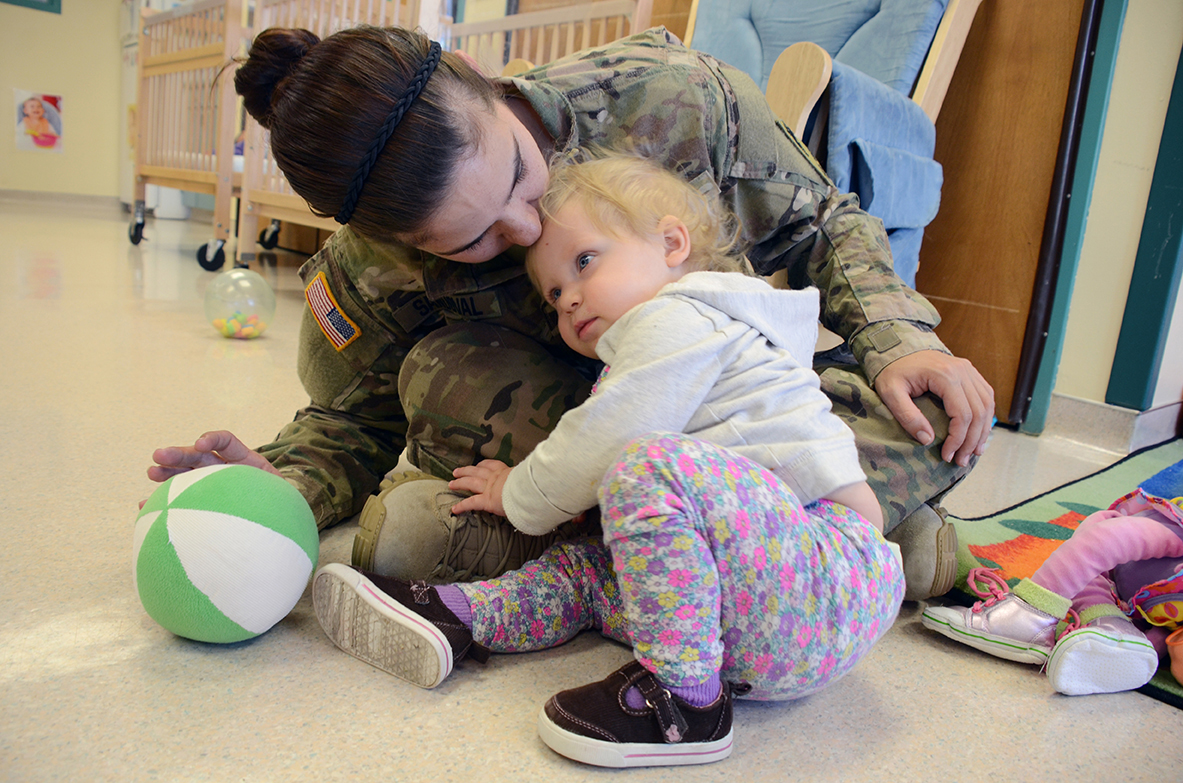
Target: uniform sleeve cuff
879,344
323,510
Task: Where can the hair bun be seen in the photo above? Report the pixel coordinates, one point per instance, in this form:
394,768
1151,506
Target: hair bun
273,55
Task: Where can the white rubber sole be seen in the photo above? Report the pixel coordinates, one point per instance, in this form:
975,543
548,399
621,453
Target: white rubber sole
621,755
948,625
1091,661
373,627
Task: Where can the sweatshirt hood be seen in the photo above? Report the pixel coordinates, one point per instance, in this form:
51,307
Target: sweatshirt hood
787,318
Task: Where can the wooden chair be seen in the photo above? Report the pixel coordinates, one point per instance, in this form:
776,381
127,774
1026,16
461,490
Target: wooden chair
877,143
801,71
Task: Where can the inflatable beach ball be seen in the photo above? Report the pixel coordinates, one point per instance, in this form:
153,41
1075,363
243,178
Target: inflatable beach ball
223,553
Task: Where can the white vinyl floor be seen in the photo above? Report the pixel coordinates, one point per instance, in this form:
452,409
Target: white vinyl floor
105,354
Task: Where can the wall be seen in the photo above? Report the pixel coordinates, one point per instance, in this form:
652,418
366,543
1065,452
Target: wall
1149,52
480,10
75,54
1170,376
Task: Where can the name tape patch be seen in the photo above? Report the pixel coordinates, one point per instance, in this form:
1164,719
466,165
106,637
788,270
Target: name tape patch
335,324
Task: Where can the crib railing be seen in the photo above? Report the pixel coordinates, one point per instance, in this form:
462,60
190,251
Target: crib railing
266,194
543,36
324,17
186,117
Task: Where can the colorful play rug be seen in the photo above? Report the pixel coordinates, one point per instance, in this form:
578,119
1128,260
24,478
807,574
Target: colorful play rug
1016,540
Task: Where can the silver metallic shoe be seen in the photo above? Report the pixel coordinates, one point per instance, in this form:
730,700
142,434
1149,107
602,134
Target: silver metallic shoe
408,531
1003,624
1107,655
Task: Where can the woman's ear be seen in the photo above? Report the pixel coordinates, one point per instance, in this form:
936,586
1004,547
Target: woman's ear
676,239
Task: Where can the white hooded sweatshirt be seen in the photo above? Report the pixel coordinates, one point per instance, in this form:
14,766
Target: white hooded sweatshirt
719,356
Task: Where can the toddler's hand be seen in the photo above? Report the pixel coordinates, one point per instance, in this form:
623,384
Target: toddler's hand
485,480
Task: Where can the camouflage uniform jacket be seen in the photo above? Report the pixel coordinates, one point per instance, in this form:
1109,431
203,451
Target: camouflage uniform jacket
701,117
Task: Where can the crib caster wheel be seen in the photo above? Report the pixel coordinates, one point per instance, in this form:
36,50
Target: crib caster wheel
211,263
269,237
135,230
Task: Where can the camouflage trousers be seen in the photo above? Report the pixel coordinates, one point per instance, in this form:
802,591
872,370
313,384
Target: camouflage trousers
474,391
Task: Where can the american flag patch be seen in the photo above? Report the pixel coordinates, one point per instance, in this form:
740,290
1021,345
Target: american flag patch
334,323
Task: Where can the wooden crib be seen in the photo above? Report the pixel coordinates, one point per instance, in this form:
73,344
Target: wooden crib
265,191
187,117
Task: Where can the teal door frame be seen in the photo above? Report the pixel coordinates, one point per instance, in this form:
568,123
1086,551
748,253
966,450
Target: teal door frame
1085,174
1154,285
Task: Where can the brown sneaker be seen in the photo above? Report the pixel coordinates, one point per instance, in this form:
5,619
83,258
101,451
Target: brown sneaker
400,627
408,531
595,725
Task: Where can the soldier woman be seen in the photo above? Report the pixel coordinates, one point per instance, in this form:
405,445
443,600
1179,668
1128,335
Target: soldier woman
424,338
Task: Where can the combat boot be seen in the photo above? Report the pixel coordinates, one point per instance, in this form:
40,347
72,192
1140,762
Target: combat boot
928,543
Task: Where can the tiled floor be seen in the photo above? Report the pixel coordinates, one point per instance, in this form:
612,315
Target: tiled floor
106,355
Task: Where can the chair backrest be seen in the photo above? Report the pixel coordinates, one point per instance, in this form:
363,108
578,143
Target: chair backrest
886,39
544,36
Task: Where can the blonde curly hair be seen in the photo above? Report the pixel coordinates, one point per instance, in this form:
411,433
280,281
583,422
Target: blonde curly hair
627,193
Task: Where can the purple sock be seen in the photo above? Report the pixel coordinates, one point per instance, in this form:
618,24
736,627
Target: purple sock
453,597
698,695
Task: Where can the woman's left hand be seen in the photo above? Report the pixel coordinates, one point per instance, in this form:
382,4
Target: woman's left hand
967,397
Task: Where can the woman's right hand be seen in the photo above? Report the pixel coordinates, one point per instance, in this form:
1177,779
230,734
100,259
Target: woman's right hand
212,448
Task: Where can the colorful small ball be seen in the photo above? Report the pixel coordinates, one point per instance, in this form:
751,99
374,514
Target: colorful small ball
240,304
223,553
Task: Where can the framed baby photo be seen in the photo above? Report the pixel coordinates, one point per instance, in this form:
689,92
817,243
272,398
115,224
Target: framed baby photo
38,121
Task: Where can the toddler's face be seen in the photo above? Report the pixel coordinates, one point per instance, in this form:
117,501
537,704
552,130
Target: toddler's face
593,278
33,109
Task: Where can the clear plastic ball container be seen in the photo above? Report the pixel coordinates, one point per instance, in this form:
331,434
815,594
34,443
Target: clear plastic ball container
239,304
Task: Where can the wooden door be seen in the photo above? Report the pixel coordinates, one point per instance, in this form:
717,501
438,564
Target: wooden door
999,140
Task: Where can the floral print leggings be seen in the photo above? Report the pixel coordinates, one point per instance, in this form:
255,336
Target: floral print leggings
709,564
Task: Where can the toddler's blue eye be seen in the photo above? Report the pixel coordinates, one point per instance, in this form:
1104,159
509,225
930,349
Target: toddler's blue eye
555,293
583,260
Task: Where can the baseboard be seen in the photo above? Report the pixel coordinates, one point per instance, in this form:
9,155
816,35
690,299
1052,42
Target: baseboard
1109,427
93,205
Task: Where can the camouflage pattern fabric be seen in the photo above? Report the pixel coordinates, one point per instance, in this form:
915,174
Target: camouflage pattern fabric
476,392
697,116
902,473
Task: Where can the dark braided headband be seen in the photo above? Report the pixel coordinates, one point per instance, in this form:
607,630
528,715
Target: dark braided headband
396,116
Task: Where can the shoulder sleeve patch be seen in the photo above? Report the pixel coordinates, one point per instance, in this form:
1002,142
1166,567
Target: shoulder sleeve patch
336,326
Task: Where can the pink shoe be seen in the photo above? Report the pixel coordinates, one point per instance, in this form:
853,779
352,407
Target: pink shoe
1003,624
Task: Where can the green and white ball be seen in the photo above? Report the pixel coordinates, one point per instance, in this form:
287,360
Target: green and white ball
223,553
